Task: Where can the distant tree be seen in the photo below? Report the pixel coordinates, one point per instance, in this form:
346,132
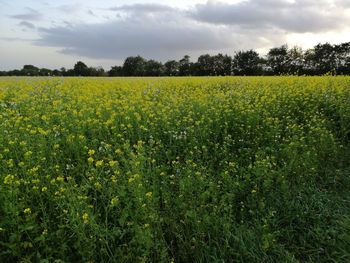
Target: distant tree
247,63
321,59
205,65
171,68
15,72
45,72
324,58
81,69
342,53
222,65
309,62
295,60
56,72
185,66
134,66
116,71
96,72
154,68
29,70
277,59
69,73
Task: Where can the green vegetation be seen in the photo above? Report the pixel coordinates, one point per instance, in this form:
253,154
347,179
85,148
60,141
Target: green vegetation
175,169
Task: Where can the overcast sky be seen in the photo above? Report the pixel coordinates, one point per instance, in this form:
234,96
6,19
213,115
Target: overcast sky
53,34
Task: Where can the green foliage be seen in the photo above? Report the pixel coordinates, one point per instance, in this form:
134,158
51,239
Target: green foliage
175,170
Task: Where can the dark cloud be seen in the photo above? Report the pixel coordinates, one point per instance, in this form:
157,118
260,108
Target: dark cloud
162,32
158,36
296,16
27,24
31,15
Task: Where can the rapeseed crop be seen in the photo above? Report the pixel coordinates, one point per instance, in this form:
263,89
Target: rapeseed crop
225,169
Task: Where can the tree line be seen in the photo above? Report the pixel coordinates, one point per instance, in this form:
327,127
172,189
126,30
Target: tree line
321,59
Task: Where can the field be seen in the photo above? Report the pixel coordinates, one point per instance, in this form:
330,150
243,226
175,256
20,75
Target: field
226,169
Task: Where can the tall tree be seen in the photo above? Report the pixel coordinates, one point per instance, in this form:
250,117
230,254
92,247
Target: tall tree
81,69
277,59
343,58
222,65
154,68
205,65
134,66
116,71
185,66
29,70
246,63
171,68
295,60
324,58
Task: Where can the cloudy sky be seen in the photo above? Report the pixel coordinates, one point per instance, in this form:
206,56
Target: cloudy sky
53,34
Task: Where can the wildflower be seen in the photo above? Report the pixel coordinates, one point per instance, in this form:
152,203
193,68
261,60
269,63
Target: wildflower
131,180
56,146
91,152
114,201
9,179
60,179
28,154
112,163
149,194
85,218
98,185
99,163
27,211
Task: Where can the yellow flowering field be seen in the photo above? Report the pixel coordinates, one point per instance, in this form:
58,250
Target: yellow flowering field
225,169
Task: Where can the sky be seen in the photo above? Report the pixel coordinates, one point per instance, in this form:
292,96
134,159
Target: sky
55,34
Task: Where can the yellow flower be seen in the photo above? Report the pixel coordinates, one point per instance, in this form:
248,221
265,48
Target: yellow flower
9,179
27,211
85,218
112,163
131,180
28,154
114,201
149,194
56,146
99,163
90,160
91,152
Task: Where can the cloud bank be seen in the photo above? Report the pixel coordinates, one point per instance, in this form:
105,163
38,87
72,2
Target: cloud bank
160,31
